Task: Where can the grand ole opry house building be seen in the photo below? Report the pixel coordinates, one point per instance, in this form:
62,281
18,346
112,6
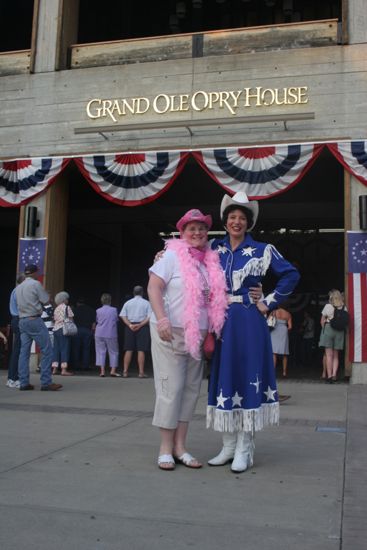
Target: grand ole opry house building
113,124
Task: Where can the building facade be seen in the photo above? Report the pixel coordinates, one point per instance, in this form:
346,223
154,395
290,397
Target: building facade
279,85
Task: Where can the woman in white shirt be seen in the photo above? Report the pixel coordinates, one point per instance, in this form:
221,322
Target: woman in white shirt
187,292
330,339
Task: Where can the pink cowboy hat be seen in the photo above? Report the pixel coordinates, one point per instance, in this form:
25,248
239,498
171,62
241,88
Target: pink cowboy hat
193,215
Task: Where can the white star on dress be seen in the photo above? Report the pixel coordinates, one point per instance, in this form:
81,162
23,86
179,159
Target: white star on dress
222,249
256,384
236,400
270,298
248,251
270,394
221,400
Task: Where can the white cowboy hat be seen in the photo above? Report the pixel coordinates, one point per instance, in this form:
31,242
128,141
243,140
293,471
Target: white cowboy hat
241,199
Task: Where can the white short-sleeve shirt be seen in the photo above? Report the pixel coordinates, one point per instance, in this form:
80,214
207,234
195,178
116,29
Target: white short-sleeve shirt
328,311
168,269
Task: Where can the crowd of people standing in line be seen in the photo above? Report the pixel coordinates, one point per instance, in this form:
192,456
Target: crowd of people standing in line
30,304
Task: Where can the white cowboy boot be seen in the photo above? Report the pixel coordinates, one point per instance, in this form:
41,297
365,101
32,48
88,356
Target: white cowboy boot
227,452
244,452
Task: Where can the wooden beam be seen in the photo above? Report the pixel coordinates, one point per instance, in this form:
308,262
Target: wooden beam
55,231
227,42
67,32
12,63
34,34
126,52
347,226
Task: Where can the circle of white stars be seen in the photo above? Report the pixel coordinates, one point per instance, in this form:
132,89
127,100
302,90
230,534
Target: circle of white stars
359,252
31,254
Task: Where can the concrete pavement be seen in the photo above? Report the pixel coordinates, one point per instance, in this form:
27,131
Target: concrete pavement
78,471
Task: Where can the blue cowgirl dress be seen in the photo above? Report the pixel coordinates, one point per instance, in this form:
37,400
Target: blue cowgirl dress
242,387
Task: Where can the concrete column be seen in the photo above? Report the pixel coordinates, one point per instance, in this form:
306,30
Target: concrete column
356,15
46,31
55,28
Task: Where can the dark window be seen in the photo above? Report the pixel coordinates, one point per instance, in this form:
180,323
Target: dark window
116,20
16,18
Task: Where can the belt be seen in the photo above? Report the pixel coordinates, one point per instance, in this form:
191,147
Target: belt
235,299
31,317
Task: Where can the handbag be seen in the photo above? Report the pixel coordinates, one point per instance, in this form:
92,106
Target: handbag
271,321
69,328
208,345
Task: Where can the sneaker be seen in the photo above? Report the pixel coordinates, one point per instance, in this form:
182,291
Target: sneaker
51,387
27,387
10,383
16,384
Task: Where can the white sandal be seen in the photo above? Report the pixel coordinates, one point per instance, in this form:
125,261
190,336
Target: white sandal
189,461
166,462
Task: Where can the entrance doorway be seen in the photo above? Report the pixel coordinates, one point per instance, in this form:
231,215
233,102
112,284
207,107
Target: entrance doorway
110,247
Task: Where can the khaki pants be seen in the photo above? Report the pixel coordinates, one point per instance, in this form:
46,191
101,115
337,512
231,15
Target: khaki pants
177,379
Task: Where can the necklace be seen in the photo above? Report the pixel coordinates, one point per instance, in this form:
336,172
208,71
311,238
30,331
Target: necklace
206,289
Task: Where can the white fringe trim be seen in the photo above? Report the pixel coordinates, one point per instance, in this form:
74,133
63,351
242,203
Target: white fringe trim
255,266
242,420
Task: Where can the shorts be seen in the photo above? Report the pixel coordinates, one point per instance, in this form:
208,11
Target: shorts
331,338
137,341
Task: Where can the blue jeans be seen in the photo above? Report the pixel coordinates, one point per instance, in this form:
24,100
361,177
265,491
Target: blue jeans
80,347
61,352
34,329
15,350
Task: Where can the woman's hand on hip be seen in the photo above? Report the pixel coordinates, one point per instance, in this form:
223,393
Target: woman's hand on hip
262,307
255,293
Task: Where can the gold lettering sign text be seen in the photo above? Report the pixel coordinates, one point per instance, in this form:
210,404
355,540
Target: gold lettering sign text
230,101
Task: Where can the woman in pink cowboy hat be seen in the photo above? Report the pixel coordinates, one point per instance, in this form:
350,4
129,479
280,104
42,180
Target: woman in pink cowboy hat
187,292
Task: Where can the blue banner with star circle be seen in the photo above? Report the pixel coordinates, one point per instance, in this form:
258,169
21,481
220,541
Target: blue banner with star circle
32,251
357,252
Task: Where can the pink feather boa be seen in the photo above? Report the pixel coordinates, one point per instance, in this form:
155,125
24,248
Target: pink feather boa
193,287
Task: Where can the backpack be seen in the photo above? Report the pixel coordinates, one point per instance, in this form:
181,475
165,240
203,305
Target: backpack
340,320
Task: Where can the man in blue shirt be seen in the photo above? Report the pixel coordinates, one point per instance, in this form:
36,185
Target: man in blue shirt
13,381
136,314
31,296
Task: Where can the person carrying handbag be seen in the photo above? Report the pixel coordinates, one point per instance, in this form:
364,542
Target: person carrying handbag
61,351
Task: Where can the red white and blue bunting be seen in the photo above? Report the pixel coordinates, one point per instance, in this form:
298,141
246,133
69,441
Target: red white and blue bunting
22,180
353,156
260,171
132,179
